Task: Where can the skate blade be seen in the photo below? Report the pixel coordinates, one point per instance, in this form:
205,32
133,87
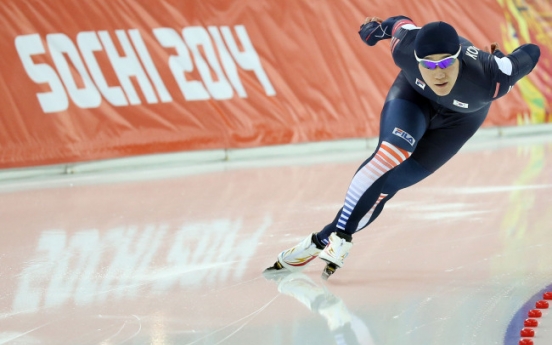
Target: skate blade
275,271
276,267
329,270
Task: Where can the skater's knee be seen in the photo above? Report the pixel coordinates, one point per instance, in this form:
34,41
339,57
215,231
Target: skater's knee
405,175
388,156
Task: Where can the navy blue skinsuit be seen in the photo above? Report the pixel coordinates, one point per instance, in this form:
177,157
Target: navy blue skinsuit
426,128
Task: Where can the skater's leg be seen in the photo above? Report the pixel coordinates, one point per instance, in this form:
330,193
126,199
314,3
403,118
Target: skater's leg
438,145
365,188
404,119
405,175
445,134
403,124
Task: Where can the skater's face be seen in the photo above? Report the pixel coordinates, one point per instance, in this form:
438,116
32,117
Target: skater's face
440,72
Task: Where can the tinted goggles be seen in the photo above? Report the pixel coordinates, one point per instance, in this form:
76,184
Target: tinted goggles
442,64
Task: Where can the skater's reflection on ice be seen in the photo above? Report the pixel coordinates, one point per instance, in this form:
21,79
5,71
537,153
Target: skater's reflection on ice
346,327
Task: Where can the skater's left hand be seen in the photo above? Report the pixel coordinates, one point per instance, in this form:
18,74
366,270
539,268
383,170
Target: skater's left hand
494,47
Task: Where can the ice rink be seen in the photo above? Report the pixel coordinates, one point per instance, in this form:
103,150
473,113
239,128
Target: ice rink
174,254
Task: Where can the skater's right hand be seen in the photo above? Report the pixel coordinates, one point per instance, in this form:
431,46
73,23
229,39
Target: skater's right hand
371,19
374,29
371,30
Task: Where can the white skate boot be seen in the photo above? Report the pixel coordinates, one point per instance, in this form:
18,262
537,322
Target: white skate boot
335,252
296,258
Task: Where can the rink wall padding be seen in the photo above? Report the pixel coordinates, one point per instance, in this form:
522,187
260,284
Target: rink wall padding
91,80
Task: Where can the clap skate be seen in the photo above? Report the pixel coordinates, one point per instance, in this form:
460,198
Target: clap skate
297,257
335,252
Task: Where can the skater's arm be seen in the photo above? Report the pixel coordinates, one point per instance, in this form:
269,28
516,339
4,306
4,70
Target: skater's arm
374,29
508,69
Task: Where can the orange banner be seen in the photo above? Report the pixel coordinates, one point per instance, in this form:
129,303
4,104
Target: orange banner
103,79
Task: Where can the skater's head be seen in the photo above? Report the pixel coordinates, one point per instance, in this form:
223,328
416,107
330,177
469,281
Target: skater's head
437,48
436,38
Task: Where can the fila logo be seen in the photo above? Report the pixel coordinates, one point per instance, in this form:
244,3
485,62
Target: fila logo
400,133
420,83
79,69
460,104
